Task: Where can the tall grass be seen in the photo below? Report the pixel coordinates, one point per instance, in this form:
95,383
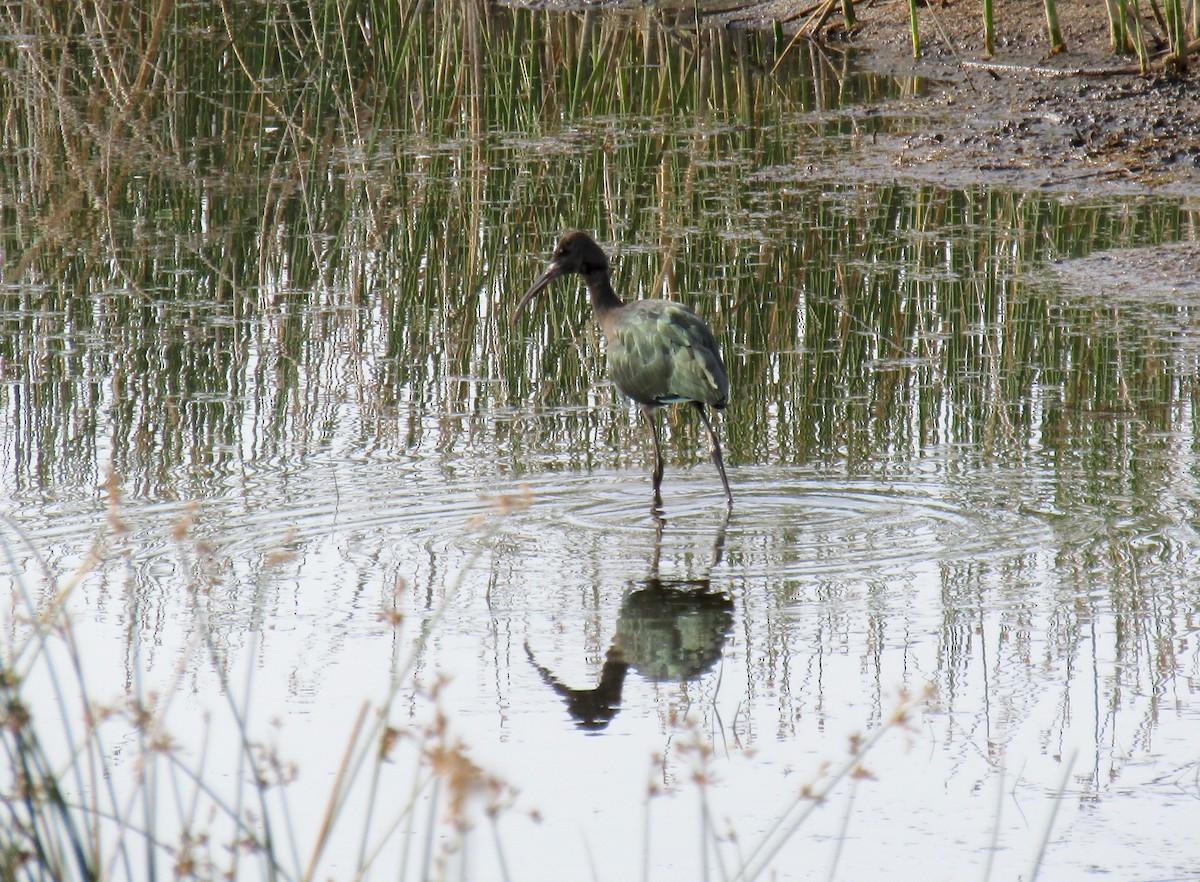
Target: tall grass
914,30
1177,34
989,29
276,236
1053,30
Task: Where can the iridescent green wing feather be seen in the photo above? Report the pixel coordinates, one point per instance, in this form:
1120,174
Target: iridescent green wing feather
660,352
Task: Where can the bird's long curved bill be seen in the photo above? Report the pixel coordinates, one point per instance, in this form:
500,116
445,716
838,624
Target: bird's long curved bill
552,272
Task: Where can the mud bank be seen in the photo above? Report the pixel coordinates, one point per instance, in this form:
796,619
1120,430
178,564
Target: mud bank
1082,120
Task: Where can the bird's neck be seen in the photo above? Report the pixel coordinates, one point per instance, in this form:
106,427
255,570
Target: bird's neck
605,301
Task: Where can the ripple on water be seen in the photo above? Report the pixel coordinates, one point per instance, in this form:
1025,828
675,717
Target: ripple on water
263,510
807,523
814,524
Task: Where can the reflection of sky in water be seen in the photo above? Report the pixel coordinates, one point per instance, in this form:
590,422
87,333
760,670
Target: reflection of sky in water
844,593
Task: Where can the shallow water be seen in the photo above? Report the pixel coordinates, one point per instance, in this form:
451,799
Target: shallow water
293,464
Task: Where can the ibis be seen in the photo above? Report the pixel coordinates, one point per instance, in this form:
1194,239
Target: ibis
659,352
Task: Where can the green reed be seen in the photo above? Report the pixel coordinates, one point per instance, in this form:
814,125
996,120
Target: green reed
1053,30
989,29
389,254
1127,31
1177,34
914,32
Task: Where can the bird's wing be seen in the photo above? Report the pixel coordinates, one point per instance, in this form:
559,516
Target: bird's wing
661,352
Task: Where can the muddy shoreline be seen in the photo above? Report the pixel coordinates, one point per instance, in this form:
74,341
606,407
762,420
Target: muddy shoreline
1083,120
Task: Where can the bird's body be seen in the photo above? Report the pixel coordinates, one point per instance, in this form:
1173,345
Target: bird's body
659,352
662,353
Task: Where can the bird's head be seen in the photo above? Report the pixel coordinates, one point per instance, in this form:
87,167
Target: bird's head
575,253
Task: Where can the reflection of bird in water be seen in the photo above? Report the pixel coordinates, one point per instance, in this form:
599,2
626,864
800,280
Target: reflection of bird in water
659,352
667,630
673,630
590,708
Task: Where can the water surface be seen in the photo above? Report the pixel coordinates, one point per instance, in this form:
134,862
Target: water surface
269,437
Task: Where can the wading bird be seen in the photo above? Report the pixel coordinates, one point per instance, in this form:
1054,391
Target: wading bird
659,352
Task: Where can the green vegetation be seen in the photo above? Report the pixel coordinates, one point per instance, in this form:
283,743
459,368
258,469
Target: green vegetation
989,30
1053,30
915,32
150,244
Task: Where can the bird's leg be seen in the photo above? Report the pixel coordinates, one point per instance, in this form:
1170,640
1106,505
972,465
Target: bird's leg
717,459
658,460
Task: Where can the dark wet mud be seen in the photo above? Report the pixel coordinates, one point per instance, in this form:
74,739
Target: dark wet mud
1084,120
